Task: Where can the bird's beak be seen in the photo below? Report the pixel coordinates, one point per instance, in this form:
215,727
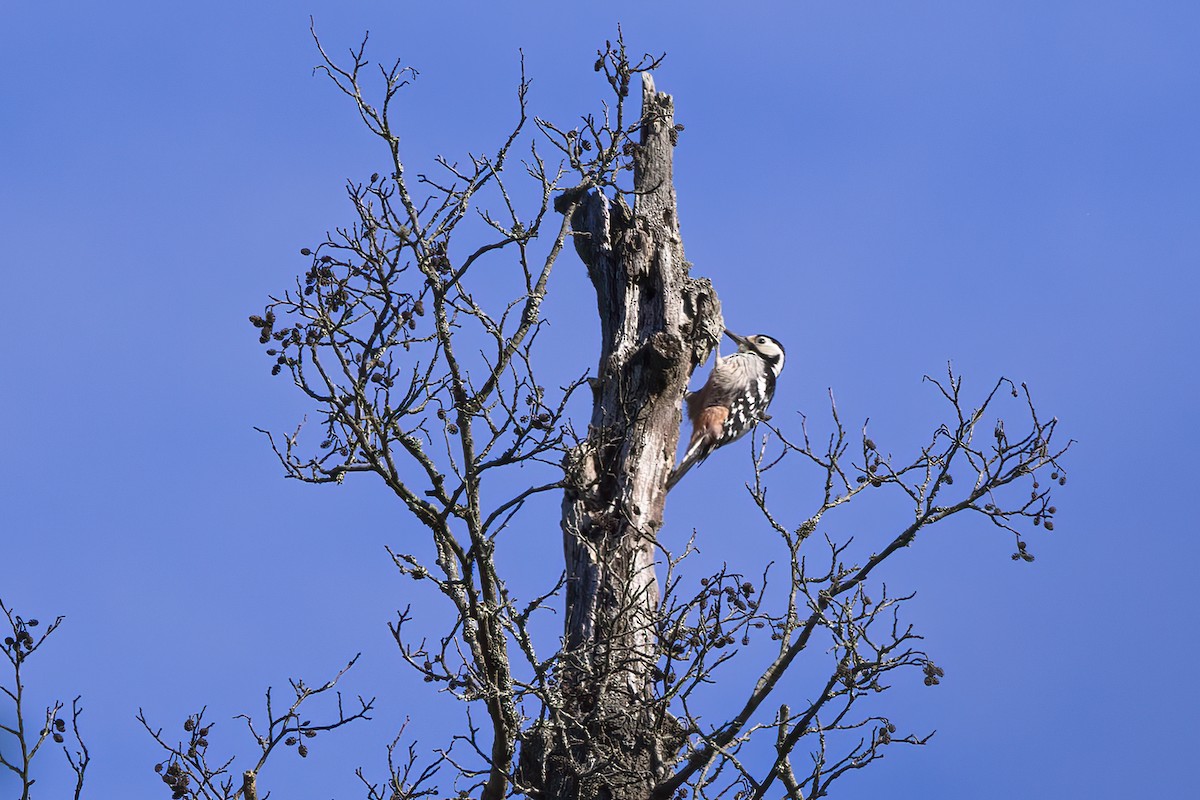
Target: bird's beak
739,339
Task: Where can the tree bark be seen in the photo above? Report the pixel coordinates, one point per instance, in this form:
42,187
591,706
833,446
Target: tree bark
608,738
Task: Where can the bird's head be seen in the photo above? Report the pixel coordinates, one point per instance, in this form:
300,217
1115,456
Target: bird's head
763,346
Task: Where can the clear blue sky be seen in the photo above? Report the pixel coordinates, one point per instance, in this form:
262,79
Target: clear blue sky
1014,186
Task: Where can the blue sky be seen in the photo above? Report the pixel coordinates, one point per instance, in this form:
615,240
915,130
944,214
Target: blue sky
1011,186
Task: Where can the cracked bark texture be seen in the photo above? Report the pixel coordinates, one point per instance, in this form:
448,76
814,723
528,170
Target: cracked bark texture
608,738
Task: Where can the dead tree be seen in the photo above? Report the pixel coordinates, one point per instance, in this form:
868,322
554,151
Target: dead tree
429,379
658,323
425,373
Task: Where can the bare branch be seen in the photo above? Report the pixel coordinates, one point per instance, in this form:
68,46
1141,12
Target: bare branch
187,770
21,641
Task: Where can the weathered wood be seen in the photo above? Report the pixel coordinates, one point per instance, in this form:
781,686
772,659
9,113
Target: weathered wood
657,325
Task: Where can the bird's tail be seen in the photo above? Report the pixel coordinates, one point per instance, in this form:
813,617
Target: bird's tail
695,454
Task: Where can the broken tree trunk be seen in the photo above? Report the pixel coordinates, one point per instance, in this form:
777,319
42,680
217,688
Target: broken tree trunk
608,738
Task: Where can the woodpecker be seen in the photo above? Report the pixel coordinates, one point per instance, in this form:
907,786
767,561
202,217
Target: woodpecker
733,399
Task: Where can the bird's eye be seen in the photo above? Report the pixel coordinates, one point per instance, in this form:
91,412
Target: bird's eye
762,340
